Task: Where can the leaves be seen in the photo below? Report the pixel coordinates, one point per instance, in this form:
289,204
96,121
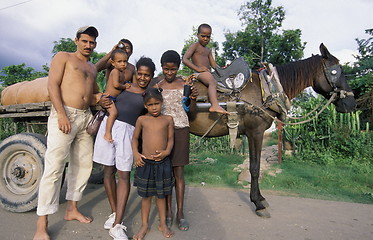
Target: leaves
261,39
19,73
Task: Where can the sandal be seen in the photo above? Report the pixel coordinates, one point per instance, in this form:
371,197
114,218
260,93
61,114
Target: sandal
183,225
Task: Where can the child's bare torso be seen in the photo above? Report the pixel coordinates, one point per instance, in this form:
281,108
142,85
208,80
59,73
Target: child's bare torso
154,134
200,56
110,89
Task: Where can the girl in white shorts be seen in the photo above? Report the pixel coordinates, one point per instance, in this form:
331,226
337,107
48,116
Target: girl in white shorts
117,156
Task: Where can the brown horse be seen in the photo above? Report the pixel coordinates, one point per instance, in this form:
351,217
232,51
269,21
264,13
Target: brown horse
323,73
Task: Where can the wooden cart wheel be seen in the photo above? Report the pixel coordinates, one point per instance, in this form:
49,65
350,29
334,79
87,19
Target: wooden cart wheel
21,168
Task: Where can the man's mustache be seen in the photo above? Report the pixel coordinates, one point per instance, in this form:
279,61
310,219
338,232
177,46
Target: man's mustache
90,49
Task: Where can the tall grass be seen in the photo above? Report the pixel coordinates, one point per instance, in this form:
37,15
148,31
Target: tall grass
333,157
332,182
332,138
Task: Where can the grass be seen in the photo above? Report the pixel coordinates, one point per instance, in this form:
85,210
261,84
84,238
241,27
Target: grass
301,178
214,170
310,180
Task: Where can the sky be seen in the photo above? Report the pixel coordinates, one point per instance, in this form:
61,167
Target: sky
29,27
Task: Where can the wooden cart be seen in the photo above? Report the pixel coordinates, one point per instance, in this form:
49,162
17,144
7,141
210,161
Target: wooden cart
22,157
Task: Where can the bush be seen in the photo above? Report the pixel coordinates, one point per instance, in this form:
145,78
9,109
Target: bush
332,138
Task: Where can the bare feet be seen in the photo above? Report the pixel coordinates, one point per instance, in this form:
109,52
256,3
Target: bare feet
141,234
167,233
218,109
76,215
41,229
108,137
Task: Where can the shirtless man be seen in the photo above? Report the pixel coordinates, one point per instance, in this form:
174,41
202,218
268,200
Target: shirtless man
104,62
72,88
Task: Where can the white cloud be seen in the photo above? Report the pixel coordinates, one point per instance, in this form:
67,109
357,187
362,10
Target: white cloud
28,30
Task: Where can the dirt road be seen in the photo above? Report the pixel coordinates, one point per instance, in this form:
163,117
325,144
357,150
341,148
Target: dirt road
214,214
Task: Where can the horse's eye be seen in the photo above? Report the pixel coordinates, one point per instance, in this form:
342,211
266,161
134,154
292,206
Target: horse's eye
334,72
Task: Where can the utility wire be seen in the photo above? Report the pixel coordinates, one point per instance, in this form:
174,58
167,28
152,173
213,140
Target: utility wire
15,5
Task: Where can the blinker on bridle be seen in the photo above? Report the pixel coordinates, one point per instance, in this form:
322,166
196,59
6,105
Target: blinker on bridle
332,74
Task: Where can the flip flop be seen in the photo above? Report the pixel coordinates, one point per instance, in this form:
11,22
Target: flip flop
169,221
183,225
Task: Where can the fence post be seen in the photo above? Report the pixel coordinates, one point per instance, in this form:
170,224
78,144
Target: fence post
279,142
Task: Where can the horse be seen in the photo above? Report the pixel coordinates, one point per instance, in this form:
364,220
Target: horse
321,72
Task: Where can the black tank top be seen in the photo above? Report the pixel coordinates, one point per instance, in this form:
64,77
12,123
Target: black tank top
130,106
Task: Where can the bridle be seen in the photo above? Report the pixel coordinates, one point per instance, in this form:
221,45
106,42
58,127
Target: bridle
332,74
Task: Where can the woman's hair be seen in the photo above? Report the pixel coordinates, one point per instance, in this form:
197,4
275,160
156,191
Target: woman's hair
118,50
170,56
147,62
152,93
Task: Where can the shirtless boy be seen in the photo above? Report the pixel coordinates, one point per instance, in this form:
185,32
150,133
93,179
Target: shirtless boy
114,86
201,61
104,62
153,175
71,85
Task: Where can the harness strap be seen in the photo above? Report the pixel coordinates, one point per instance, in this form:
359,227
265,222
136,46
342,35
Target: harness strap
232,123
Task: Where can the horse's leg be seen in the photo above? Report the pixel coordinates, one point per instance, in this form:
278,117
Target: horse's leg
255,138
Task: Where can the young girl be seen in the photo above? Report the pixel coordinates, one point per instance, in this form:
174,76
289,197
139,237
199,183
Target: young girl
173,88
153,175
117,158
115,85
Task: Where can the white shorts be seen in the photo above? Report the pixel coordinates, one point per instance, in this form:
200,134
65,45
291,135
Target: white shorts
118,153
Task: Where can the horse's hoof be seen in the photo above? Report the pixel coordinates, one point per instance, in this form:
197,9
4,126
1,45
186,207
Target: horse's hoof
264,203
263,213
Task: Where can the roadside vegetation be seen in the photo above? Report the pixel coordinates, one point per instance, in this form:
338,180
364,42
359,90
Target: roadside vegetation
332,158
330,161
212,162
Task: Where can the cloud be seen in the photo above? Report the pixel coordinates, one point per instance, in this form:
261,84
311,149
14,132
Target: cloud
28,30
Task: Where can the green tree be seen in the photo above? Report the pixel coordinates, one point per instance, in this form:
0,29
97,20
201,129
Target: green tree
19,73
261,39
361,72
65,45
360,77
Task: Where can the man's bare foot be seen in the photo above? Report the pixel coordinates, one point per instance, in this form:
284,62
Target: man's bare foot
167,233
218,109
108,137
76,215
141,234
41,229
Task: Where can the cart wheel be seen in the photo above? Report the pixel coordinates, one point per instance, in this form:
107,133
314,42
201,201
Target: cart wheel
97,175
21,168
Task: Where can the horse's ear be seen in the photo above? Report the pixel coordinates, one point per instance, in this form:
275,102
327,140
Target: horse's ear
324,51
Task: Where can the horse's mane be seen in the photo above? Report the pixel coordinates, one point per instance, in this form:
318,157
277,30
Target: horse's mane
298,75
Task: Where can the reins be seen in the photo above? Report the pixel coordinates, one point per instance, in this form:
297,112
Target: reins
301,122
274,118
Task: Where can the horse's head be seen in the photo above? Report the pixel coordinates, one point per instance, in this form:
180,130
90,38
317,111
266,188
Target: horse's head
334,81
